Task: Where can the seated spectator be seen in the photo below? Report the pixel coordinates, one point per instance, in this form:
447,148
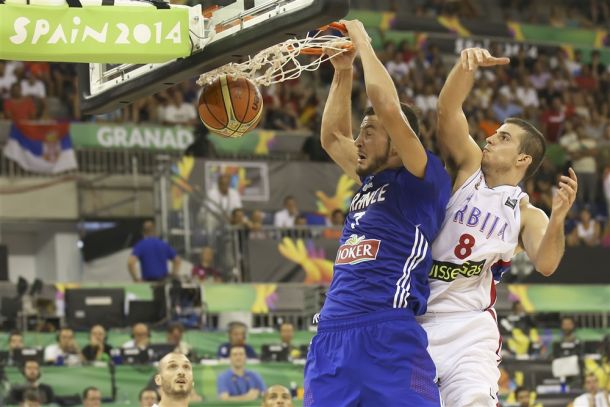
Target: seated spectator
237,337
285,218
337,219
140,335
31,373
593,396
237,383
286,336
239,219
277,396
587,231
257,221
569,344
15,342
148,397
65,351
178,111
97,348
92,397
18,107
526,398
175,332
31,398
504,109
206,270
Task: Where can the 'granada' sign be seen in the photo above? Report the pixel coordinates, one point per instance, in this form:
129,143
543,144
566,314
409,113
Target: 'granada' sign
104,34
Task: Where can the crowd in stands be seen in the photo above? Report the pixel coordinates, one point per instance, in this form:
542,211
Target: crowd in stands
236,383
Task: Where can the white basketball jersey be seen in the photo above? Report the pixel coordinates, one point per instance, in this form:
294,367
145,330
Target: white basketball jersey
475,245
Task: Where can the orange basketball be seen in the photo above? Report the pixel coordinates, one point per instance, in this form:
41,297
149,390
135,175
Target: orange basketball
230,106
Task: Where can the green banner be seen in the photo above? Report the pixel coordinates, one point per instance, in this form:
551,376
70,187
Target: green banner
91,135
93,34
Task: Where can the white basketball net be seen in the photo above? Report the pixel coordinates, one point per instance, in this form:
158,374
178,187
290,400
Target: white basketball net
279,63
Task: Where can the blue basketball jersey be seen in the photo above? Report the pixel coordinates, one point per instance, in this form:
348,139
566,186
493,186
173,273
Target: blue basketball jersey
384,255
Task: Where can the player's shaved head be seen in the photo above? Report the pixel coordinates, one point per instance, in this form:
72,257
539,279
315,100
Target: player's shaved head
173,356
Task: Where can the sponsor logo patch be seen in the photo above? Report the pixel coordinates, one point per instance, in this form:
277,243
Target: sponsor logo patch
448,272
357,249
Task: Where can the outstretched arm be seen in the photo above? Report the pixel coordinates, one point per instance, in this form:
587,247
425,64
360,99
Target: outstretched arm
336,133
543,238
458,149
382,93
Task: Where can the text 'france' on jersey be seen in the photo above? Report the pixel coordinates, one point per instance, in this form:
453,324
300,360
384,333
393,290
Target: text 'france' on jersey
385,252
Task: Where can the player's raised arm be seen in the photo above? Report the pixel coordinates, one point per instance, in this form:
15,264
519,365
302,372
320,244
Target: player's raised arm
336,133
543,238
382,93
458,149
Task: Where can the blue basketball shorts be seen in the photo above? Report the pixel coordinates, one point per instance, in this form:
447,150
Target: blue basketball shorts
376,360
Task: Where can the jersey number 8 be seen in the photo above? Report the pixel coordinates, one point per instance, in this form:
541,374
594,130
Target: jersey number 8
464,247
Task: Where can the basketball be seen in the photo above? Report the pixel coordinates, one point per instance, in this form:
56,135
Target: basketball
230,106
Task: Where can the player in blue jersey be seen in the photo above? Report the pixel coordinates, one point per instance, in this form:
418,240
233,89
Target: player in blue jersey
369,350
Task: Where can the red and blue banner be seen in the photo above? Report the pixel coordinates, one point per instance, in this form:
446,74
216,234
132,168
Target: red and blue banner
41,147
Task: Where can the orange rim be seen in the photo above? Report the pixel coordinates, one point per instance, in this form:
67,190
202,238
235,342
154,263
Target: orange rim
320,51
335,26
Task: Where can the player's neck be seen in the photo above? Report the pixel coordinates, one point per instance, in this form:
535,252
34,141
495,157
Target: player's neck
495,179
239,371
174,401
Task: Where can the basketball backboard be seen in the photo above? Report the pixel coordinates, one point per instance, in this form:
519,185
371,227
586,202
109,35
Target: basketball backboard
229,31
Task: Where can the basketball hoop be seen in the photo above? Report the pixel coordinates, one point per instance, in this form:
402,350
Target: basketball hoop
279,63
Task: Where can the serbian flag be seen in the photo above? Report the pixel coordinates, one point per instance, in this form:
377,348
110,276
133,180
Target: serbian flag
44,148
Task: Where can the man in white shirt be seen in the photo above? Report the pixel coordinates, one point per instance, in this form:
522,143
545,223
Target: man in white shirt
32,86
285,217
175,380
594,397
179,112
6,81
140,337
65,351
222,198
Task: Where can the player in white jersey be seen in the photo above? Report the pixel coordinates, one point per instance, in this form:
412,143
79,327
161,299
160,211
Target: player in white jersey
175,380
488,220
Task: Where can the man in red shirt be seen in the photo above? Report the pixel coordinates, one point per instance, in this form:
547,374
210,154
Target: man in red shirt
553,118
19,108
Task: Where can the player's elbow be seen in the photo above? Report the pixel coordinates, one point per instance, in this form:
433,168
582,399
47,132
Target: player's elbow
546,270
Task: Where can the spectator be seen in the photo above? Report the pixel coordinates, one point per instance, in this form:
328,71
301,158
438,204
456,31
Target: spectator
397,67
205,269
285,218
175,380
286,336
427,100
222,198
552,120
34,87
569,343
153,254
237,337
238,219
15,342
64,351
98,348
19,108
237,383
503,108
92,397
587,231
6,81
256,225
337,219
140,337
179,112
175,332
31,373
31,398
520,327
277,396
582,151
593,396
148,397
526,398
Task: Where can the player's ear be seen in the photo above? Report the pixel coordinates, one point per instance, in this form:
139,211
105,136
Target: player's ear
158,380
